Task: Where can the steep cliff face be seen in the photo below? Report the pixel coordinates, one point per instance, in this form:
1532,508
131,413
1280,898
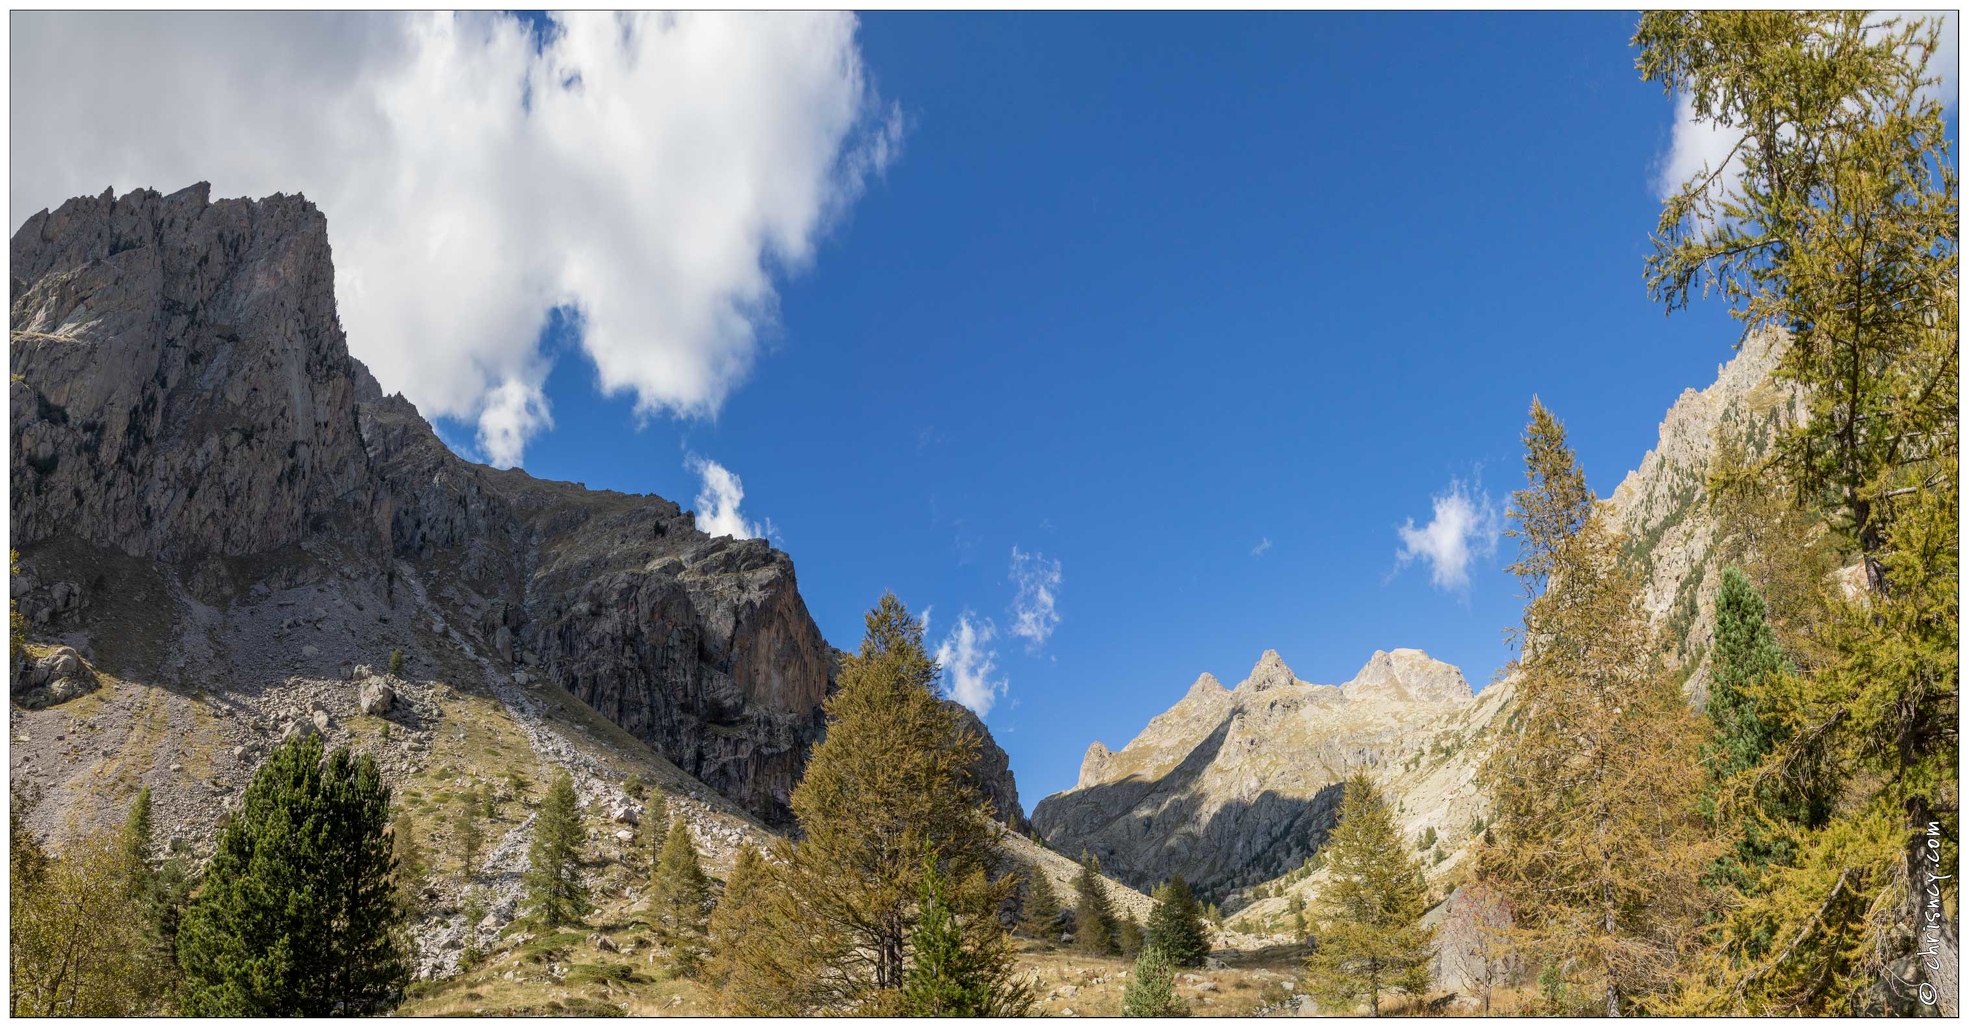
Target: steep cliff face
188,425
1661,506
1230,787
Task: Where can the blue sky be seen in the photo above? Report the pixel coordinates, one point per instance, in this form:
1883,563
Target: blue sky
1141,294
1125,345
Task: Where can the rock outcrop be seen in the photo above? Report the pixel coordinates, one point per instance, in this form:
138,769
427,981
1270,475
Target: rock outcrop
1230,787
208,487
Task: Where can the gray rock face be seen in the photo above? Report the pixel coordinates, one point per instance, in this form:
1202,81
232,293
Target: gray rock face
993,773
184,396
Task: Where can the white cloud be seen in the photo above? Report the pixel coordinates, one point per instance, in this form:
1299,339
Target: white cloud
1264,543
1463,527
1035,610
718,498
1696,145
514,410
968,664
650,173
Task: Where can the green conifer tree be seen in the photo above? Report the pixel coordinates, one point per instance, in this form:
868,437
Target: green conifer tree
1094,927
653,829
1370,936
555,892
410,864
1039,914
680,896
892,777
137,833
1176,925
951,975
297,913
468,836
1151,990
1128,938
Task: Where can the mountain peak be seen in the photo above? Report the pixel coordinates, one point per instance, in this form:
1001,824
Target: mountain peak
1270,672
1409,676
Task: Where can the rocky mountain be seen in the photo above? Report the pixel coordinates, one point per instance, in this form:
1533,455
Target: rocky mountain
1231,787
212,496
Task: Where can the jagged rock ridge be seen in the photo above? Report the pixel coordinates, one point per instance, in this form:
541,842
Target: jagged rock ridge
1235,786
196,451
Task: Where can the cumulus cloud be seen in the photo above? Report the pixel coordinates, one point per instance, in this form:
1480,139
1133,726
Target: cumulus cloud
969,663
718,497
1698,145
649,174
1464,527
1035,610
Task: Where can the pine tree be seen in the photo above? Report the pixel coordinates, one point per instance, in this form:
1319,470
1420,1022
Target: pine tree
950,975
892,777
410,865
679,897
1176,925
654,828
468,836
1094,927
1039,915
159,892
1128,937
555,893
1151,990
1838,223
137,832
296,914
1369,931
1594,787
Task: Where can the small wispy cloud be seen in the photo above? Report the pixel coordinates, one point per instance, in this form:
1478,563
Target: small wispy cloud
1465,526
718,497
1035,610
1264,543
969,663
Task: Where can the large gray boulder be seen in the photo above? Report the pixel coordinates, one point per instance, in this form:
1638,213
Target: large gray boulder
376,696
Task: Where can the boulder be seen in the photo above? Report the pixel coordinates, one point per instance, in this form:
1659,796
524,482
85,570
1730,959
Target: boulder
320,720
60,663
376,696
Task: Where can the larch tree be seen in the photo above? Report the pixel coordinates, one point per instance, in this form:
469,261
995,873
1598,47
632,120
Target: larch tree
734,916
555,891
298,913
1837,220
1594,782
1368,936
680,898
891,780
